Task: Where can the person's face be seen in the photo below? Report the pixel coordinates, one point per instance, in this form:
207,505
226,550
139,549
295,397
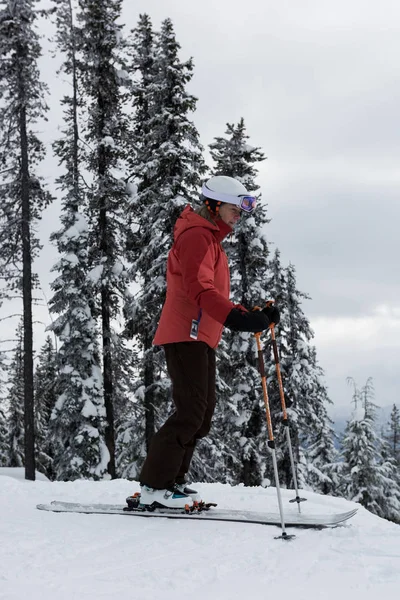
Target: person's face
230,214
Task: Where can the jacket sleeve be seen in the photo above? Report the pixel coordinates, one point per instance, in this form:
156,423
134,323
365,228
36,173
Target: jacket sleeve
196,252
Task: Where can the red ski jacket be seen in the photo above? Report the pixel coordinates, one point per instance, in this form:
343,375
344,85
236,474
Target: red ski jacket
198,282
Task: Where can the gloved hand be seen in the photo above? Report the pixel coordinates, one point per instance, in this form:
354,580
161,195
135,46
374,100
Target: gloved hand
247,321
272,313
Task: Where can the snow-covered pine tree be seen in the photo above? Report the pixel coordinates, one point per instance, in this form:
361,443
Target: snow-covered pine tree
304,386
320,467
391,481
366,478
130,427
390,461
306,396
392,434
105,134
15,420
126,417
238,449
22,195
45,387
276,283
3,420
78,420
167,168
141,51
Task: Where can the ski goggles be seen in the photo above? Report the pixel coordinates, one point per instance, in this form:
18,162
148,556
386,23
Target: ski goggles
247,203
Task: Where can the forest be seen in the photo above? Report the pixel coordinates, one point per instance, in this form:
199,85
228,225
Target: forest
86,404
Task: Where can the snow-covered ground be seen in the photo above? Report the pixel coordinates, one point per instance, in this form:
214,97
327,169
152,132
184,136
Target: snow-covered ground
48,556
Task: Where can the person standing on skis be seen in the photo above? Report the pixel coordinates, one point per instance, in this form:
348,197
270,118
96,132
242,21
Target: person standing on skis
196,309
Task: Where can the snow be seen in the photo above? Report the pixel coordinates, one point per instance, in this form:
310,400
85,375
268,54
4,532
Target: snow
358,414
95,274
18,473
108,141
117,267
123,75
90,410
131,189
79,227
105,557
71,258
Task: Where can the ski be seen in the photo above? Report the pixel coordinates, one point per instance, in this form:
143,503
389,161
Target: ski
237,516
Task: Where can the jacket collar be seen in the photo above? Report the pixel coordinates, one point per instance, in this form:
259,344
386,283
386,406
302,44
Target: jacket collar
223,230
189,218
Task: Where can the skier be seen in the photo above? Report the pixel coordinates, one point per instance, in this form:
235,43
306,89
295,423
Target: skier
196,308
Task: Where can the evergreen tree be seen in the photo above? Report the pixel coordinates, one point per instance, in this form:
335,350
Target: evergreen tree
390,482
108,200
141,52
77,424
366,478
306,397
131,423
392,435
22,196
15,426
3,420
238,450
320,454
390,461
131,443
309,396
45,385
168,165
125,367
234,157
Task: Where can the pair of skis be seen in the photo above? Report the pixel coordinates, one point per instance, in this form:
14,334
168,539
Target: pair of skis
213,514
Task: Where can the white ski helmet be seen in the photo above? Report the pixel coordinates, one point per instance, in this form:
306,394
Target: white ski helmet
222,189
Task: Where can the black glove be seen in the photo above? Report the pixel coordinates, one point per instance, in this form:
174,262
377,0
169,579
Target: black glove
247,321
272,313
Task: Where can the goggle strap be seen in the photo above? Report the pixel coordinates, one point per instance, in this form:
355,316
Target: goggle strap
207,203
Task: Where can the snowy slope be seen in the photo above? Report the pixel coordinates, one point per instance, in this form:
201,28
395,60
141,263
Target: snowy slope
47,556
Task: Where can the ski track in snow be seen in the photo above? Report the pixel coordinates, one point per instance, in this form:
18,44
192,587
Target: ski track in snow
83,557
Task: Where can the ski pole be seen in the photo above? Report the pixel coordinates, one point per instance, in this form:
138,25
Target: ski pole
285,419
271,441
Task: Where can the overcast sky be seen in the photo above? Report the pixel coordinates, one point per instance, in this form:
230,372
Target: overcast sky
318,84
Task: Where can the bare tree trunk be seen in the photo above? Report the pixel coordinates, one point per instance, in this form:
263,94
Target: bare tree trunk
75,169
106,319
27,301
108,379
149,409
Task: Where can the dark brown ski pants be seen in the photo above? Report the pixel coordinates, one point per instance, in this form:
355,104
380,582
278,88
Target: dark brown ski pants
191,367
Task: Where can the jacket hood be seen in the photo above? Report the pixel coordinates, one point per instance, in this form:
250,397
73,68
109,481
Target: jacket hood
189,218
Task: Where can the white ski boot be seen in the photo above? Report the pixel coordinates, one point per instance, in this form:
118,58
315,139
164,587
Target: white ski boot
167,498
184,489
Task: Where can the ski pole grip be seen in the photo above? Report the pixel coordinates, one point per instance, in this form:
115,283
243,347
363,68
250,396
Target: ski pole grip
272,325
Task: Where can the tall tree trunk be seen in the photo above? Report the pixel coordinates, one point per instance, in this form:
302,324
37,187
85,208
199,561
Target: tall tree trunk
75,162
108,380
107,357
27,299
149,399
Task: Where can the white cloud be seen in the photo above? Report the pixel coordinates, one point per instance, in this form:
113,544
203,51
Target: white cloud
381,329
